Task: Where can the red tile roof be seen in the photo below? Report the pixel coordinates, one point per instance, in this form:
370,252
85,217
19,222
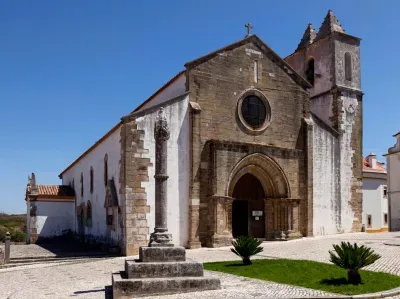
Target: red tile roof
55,190
367,166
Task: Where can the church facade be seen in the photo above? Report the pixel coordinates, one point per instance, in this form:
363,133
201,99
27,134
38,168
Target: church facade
259,145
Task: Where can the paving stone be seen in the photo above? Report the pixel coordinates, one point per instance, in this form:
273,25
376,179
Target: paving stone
77,280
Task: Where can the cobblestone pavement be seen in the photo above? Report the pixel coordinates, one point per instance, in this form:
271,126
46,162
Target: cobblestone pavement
93,279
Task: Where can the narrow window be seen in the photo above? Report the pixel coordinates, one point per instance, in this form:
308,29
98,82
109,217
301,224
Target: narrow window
89,213
91,179
255,71
105,170
73,184
369,220
347,66
385,191
385,218
81,184
310,71
110,216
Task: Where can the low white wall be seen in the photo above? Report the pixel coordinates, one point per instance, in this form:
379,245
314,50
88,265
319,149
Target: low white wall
54,218
177,114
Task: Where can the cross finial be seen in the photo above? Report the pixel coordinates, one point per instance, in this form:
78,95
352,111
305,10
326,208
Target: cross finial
249,27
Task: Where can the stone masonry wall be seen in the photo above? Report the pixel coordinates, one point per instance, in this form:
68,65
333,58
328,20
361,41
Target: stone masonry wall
216,85
134,171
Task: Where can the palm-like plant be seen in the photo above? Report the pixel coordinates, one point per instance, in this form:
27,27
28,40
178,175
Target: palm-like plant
352,258
245,247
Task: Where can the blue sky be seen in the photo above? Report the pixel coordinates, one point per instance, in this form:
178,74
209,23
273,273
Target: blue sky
70,69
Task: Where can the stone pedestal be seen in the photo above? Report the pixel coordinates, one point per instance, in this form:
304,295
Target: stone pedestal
162,267
160,271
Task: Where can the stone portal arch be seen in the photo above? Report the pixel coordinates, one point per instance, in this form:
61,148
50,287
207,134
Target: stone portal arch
281,211
266,170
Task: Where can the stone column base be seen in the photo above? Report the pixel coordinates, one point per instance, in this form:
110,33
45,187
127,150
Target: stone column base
194,244
221,240
294,235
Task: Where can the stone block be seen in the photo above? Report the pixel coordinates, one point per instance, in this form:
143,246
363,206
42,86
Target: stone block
124,288
162,254
135,269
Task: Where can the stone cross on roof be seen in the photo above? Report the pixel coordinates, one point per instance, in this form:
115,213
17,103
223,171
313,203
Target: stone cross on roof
249,27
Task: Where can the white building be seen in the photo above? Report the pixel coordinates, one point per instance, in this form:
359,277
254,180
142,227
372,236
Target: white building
375,201
50,210
393,169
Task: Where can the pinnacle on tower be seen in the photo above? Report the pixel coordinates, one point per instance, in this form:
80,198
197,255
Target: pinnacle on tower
308,37
329,25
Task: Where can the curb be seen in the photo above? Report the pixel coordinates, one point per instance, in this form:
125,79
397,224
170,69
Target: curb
383,294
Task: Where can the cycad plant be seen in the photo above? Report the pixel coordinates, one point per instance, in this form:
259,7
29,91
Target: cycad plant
352,258
245,247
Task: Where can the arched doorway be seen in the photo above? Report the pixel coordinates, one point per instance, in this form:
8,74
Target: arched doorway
248,207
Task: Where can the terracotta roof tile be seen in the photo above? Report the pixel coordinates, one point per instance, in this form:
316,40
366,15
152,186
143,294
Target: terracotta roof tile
55,190
379,166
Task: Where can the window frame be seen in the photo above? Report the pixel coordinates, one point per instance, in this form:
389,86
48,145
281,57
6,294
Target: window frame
268,110
348,68
307,70
106,170
81,184
385,189
369,220
89,213
91,182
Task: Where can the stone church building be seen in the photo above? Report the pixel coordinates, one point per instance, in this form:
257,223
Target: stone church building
260,145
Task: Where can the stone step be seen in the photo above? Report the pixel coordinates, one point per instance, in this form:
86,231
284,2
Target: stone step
162,254
139,287
23,260
134,269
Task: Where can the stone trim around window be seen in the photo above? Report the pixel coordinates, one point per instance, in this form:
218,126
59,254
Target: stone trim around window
263,98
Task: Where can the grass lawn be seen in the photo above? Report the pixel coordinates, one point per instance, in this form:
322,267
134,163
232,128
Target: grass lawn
308,274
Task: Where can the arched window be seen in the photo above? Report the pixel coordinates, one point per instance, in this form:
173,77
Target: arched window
310,71
105,170
347,66
89,213
81,184
91,179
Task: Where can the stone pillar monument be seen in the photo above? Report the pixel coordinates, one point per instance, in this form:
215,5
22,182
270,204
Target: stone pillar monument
160,236
162,267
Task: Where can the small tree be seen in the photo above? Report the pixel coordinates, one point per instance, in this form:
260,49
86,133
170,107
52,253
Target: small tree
352,258
245,247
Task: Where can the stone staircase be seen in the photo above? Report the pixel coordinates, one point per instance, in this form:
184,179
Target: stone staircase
160,271
48,260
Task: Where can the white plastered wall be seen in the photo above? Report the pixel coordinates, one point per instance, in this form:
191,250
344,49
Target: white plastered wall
177,114
374,203
393,169
54,218
95,158
174,89
326,201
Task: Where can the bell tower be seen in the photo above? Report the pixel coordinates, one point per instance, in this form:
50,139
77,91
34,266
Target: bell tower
330,60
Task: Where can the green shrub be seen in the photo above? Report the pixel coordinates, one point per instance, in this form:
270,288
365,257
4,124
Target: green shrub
15,234
245,247
352,258
18,236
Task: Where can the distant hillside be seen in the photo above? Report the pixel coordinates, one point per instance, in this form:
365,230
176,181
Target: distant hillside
15,224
